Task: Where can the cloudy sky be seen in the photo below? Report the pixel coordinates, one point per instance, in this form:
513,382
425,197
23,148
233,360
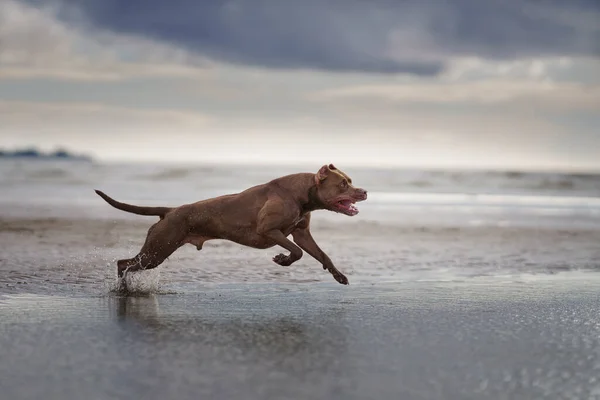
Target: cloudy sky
435,83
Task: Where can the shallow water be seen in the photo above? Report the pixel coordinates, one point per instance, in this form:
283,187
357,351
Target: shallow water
410,341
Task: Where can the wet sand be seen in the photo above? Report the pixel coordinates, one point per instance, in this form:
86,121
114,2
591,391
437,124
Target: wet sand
484,340
74,256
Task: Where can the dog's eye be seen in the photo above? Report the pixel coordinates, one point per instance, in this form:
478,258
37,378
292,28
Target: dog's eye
344,183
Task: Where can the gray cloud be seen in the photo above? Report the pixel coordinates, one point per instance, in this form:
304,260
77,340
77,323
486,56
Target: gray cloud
381,36
34,44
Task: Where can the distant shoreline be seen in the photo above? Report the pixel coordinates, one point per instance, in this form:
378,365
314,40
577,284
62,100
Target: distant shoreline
31,153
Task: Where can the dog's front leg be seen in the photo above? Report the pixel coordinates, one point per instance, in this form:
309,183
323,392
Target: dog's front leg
304,239
295,252
269,223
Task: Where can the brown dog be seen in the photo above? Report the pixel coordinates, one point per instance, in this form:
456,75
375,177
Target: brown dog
261,217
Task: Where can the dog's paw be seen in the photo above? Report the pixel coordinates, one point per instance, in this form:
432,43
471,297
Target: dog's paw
283,260
341,278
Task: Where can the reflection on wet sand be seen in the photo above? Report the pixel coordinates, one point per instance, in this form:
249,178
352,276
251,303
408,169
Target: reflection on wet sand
243,342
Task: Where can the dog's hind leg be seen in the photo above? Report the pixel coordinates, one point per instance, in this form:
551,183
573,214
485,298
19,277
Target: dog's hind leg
159,244
147,258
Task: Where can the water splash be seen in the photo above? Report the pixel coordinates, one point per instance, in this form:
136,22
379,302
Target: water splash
136,283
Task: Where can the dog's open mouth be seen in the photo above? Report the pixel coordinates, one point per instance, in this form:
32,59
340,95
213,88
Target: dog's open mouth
346,206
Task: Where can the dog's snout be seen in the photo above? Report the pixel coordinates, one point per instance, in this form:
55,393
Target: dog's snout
362,192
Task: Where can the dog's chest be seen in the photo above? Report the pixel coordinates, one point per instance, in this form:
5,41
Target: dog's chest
296,223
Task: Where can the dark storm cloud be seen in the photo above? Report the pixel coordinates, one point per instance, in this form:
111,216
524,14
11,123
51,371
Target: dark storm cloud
353,35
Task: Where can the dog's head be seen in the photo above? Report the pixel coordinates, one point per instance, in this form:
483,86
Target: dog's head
335,190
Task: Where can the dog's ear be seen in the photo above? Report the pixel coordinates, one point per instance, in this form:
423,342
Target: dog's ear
323,172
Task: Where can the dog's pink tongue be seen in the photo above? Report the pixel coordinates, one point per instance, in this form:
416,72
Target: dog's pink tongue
349,206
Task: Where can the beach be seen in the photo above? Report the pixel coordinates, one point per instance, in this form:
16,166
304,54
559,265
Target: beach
462,286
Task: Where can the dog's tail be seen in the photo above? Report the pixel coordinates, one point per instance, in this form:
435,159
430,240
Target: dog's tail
158,211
